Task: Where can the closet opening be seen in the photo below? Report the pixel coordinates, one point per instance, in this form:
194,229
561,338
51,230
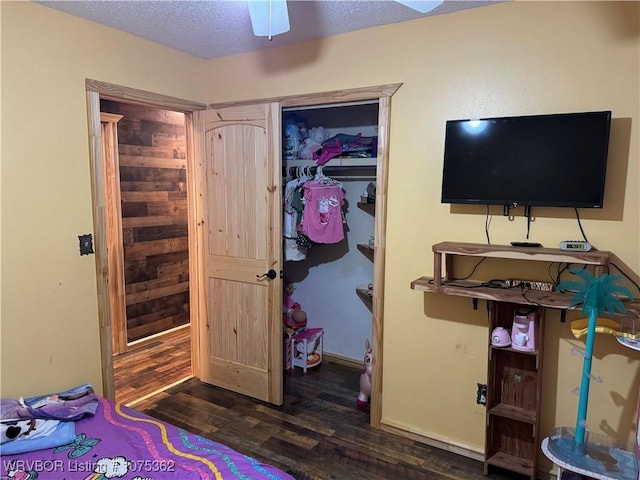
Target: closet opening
329,167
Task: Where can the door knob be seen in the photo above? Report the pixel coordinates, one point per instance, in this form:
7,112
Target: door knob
271,274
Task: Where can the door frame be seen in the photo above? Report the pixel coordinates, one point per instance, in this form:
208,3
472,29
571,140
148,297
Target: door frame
113,240
95,91
383,94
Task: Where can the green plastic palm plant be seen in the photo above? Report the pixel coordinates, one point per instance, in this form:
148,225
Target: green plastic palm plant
597,295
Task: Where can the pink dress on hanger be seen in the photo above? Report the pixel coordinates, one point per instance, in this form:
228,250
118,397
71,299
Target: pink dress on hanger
322,217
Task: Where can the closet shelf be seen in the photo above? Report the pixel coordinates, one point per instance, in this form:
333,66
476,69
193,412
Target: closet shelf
366,250
370,208
334,162
366,298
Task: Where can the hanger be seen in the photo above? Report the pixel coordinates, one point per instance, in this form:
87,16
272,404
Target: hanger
321,179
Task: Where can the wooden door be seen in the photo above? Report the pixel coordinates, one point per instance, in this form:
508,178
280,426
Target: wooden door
239,241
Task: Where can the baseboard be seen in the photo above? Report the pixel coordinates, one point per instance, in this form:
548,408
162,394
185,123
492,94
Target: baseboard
442,444
340,360
154,337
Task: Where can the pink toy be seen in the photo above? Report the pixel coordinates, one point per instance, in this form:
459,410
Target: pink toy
365,378
292,314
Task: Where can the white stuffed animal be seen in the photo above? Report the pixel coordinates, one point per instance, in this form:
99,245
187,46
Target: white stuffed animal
318,134
313,142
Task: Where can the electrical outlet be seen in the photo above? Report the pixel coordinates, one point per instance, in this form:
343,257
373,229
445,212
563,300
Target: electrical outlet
481,394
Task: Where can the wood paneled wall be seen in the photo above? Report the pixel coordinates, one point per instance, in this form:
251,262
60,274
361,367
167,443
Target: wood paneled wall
153,176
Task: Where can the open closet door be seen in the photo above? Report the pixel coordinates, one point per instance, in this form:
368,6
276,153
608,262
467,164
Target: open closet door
239,249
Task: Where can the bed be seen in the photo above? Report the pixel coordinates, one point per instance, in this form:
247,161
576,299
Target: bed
109,440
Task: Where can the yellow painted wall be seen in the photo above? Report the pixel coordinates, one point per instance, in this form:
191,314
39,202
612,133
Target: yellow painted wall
513,58
49,307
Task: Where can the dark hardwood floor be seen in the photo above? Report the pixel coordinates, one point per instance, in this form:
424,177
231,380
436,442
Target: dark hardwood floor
152,366
318,433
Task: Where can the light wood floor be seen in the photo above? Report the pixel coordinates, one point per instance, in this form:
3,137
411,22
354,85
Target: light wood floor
149,368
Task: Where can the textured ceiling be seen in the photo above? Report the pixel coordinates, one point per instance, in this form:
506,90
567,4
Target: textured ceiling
209,29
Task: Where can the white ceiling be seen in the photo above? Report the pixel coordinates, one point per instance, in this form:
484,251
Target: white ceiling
217,28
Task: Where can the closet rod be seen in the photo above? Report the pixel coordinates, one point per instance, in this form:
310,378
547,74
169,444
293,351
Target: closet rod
335,171
353,178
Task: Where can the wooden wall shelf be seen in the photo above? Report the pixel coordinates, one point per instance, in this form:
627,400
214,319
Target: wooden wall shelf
593,257
446,284
474,289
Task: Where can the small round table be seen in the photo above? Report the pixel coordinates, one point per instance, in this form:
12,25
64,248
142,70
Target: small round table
565,464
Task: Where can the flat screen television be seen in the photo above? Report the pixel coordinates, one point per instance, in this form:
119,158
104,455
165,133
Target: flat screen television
554,160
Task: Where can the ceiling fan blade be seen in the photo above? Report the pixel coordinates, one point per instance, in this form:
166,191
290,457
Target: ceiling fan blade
268,17
422,6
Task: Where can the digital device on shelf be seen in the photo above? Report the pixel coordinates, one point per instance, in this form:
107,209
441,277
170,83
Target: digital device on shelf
526,244
575,245
552,160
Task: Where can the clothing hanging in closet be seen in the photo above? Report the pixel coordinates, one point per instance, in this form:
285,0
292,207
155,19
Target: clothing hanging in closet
312,213
322,218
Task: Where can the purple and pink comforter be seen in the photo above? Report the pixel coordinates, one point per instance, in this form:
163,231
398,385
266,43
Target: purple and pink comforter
118,442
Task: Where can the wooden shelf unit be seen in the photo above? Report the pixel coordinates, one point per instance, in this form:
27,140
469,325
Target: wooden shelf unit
514,388
514,376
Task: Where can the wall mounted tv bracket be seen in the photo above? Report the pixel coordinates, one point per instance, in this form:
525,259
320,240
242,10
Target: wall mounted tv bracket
506,209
